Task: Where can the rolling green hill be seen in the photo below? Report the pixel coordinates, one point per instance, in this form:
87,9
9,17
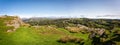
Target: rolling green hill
13,31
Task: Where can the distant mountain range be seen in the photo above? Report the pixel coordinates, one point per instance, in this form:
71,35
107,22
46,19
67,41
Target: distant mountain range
82,16
109,17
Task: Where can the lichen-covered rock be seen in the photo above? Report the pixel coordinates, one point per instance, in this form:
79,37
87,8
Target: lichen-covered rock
13,22
16,22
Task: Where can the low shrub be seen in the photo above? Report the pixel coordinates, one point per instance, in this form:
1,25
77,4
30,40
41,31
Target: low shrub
66,39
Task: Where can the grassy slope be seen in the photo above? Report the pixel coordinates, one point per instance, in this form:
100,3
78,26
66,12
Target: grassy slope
4,37
32,36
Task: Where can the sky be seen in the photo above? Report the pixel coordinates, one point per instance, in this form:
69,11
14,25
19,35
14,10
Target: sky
59,8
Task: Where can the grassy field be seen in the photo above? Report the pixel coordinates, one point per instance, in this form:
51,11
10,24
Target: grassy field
51,35
37,36
40,35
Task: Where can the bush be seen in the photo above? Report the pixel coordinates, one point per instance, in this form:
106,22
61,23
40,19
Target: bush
66,39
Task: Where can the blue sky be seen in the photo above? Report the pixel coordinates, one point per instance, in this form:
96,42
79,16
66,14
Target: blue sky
59,8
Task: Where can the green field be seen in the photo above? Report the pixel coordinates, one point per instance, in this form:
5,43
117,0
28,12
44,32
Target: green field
40,36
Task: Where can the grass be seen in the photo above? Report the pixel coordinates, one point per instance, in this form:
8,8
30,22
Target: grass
32,36
42,35
84,36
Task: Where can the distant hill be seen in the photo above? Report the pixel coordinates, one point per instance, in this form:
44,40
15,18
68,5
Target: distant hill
63,22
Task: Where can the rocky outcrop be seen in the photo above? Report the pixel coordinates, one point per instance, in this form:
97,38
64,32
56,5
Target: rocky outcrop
16,22
12,21
84,29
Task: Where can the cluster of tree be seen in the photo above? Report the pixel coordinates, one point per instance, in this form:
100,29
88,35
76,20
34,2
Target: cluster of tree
110,37
108,24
